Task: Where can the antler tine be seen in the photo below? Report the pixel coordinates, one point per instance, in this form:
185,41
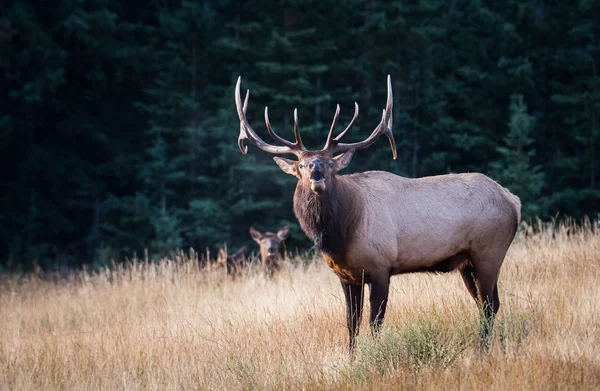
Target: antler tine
298,143
246,98
328,143
297,132
339,137
384,128
388,108
247,133
295,146
275,136
333,141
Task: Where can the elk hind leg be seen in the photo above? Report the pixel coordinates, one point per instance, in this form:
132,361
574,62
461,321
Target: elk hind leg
490,305
483,287
468,274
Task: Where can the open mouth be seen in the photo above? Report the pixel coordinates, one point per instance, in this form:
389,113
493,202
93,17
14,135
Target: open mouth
317,176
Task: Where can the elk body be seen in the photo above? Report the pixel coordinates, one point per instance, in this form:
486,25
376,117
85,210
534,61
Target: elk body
372,225
269,243
234,264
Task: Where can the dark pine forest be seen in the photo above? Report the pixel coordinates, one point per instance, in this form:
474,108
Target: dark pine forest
118,130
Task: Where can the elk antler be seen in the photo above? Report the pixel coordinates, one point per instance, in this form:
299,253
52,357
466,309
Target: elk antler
247,133
385,127
294,146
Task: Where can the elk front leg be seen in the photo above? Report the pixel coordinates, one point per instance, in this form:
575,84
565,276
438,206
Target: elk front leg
378,298
354,306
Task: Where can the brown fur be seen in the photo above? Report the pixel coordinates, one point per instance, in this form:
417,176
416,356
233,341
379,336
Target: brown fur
326,219
401,225
235,263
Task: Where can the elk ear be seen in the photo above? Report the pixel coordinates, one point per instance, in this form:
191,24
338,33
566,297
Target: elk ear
256,234
342,161
287,165
283,233
240,253
221,256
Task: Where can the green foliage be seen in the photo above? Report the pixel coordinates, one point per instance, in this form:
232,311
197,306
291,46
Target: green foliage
514,169
430,340
119,131
427,341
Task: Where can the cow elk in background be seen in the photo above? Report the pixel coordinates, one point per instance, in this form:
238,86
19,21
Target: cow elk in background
372,225
269,243
234,264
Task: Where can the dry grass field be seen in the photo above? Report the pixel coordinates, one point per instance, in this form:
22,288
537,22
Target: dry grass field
170,326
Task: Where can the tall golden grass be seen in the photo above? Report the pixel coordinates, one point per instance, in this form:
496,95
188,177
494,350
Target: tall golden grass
171,326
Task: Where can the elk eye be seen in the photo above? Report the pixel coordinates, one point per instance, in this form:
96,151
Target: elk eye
330,164
301,165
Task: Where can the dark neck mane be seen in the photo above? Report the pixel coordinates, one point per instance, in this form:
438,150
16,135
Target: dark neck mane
327,218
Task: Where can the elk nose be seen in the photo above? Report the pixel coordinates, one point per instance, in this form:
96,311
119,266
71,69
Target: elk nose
315,165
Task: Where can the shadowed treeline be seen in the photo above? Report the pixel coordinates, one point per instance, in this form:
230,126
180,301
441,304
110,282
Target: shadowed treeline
118,127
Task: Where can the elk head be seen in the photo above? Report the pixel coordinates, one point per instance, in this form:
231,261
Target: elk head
314,169
269,247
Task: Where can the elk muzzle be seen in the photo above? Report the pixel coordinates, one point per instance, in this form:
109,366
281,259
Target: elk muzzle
271,251
317,176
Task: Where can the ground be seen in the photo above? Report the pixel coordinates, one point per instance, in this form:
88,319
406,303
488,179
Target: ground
170,326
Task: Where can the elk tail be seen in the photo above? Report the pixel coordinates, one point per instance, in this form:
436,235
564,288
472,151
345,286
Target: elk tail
516,201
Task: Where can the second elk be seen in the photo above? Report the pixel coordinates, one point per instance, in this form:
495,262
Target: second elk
269,243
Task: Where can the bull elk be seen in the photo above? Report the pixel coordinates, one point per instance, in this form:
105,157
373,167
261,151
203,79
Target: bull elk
372,225
269,243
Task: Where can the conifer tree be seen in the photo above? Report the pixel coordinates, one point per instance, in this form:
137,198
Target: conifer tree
515,169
